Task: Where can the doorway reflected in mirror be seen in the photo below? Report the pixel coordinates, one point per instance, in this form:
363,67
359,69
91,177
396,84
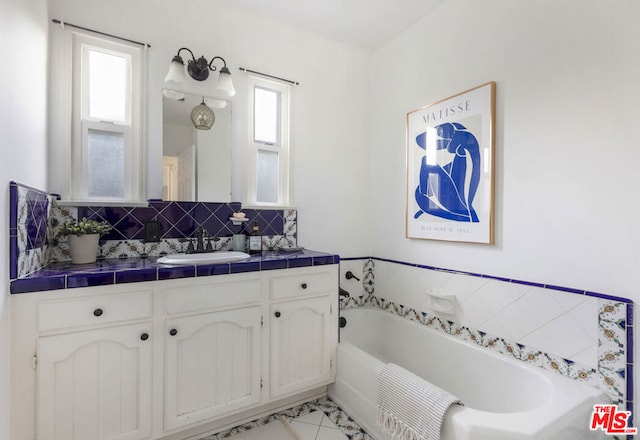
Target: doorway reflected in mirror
196,164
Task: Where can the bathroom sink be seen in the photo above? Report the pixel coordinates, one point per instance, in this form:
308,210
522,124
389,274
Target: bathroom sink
205,258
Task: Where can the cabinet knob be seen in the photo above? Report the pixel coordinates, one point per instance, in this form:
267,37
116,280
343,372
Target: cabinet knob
303,285
97,312
173,332
277,314
144,336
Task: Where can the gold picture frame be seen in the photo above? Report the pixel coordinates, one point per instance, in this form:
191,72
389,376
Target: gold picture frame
450,168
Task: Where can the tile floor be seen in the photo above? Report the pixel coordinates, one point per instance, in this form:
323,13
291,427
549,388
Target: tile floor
316,426
321,419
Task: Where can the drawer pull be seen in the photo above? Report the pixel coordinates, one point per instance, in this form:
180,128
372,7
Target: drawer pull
303,285
97,312
277,314
173,332
144,336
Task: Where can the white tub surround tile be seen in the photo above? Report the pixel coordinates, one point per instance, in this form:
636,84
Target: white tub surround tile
579,334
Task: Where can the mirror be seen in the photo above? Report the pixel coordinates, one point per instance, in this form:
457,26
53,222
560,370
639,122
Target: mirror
196,164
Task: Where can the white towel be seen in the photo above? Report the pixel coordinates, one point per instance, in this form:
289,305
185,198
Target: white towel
409,407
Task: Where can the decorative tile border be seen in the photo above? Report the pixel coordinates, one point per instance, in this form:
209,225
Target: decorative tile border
614,371
29,239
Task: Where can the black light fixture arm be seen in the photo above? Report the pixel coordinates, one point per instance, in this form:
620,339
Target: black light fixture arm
213,68
199,68
193,58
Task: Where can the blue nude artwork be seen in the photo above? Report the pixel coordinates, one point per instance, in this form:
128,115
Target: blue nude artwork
450,168
447,190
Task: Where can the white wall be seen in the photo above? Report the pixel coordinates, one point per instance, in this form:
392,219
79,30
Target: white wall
566,142
23,39
330,125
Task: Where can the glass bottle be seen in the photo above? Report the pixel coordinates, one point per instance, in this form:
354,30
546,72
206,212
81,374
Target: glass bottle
255,240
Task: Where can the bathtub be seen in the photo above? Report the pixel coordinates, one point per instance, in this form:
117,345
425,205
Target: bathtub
504,399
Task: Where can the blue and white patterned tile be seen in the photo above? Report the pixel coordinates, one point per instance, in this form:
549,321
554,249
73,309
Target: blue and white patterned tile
178,220
368,282
339,420
29,236
290,215
612,317
612,358
529,354
163,247
120,249
348,303
273,241
612,334
587,376
369,265
613,384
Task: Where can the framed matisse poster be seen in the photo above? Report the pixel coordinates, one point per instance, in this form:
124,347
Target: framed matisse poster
450,155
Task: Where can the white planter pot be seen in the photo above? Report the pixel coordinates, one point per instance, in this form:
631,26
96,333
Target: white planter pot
83,248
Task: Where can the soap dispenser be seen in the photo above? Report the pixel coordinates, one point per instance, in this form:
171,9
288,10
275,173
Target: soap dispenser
255,240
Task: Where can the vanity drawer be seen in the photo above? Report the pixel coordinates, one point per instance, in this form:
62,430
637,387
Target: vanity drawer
95,310
218,295
304,282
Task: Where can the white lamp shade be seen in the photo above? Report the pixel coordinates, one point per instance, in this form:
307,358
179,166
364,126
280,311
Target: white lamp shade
176,74
173,94
216,103
224,82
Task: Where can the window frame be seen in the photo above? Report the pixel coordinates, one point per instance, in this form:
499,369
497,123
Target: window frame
69,107
282,147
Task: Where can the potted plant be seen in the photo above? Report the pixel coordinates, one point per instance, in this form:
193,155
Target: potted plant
84,236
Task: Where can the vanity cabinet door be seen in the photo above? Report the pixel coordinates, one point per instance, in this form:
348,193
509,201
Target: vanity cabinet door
212,365
302,339
95,385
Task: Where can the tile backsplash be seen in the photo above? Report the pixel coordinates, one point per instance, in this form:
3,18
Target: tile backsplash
29,237
36,219
585,336
179,222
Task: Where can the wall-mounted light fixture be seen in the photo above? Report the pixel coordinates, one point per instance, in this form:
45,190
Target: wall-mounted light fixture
199,70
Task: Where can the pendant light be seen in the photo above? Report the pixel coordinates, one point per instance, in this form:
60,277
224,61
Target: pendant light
202,116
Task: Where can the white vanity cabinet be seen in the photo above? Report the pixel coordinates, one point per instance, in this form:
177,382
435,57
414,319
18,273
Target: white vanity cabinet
171,359
212,365
95,385
300,345
303,330
94,359
212,349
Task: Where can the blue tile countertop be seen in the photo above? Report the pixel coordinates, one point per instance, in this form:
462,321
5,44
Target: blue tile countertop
64,275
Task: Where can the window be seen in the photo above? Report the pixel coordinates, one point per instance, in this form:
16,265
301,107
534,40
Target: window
268,179
99,83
